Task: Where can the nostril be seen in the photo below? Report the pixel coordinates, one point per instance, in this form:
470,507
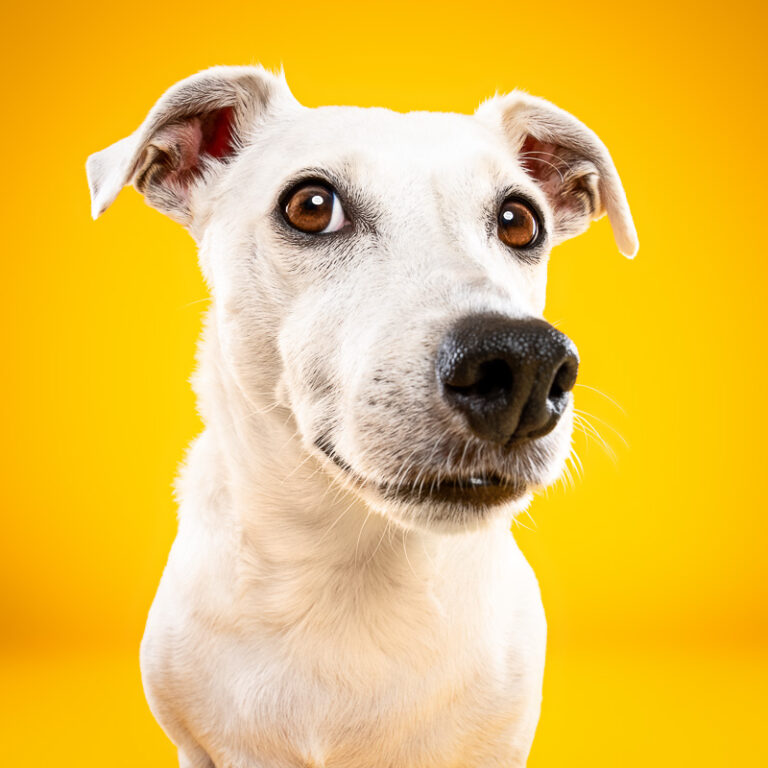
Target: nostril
494,379
564,379
490,380
555,391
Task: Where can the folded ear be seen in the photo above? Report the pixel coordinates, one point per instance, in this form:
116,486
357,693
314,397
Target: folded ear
189,136
568,161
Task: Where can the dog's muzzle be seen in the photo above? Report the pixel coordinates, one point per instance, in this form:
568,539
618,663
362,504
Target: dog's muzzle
508,382
508,378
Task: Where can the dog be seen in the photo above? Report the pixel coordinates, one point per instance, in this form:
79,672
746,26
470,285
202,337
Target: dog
381,395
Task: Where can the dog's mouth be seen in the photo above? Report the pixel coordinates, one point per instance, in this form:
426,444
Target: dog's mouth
479,490
473,490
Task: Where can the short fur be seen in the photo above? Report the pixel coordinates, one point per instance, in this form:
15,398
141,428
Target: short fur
304,618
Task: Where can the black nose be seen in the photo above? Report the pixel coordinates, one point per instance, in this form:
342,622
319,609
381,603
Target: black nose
509,378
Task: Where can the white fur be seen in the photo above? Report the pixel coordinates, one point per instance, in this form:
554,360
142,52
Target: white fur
303,619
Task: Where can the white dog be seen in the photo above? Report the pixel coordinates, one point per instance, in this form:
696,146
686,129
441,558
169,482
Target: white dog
380,396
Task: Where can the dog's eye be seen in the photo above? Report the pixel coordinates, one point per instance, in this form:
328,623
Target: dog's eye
314,208
518,223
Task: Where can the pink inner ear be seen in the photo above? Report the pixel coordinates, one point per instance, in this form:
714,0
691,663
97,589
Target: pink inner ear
206,134
177,155
217,141
541,159
186,139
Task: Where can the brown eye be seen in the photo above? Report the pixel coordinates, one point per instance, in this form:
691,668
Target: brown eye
518,225
314,208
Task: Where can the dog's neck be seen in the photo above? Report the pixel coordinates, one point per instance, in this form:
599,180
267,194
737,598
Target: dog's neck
305,550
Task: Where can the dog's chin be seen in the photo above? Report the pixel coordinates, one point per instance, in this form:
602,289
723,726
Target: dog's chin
438,501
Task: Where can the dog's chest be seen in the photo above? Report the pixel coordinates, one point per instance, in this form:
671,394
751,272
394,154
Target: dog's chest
399,681
352,707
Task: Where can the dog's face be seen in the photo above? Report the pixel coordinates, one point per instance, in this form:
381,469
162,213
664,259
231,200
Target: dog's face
383,276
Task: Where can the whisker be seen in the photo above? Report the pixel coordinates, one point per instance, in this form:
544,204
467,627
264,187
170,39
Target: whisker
573,457
604,423
331,526
405,551
299,466
588,429
609,399
258,412
427,555
567,478
196,301
517,522
359,535
381,538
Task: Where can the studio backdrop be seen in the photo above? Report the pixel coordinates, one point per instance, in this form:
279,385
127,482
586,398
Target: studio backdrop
650,555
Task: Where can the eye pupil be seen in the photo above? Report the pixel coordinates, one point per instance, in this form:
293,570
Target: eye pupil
518,224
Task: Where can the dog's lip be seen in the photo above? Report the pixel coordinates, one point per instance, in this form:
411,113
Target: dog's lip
480,490
475,490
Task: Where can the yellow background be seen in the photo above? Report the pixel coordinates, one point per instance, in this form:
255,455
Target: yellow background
652,566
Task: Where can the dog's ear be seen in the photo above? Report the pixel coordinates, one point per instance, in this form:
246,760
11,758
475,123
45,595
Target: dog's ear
568,161
188,137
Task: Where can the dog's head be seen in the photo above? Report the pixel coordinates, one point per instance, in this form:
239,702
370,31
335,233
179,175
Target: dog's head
383,275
